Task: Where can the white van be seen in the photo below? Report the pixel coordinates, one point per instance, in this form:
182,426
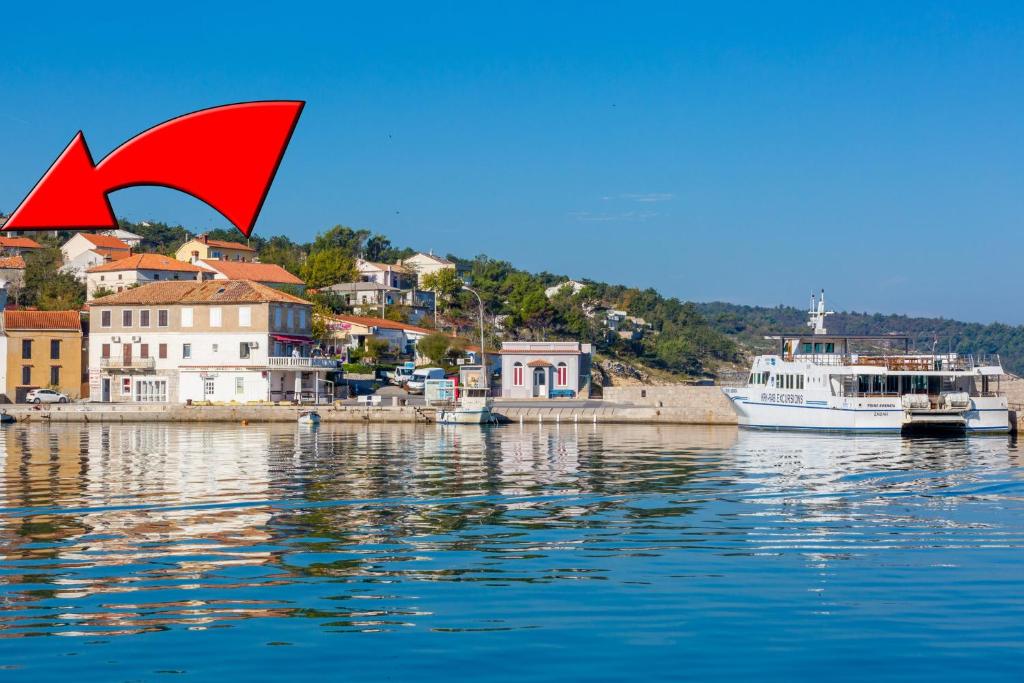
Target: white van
421,375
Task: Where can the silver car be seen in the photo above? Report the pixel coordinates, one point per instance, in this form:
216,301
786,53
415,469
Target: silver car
46,396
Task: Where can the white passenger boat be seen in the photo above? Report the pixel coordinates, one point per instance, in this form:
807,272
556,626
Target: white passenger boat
473,407
849,383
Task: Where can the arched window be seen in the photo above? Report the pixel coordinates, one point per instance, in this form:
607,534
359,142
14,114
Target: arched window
517,374
562,375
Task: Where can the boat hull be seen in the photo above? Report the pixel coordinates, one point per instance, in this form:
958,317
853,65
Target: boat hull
861,415
460,416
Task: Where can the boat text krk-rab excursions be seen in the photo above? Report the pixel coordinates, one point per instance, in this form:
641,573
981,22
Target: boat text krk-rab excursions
856,383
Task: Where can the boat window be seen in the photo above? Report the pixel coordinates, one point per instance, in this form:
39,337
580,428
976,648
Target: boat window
819,347
807,347
799,381
830,348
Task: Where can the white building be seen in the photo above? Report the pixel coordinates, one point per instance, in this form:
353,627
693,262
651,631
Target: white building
129,238
138,269
545,369
87,250
390,274
221,341
426,264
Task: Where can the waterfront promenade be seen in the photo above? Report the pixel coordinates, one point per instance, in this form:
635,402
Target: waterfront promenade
677,405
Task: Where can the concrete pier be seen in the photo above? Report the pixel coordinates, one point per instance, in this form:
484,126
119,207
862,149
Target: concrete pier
659,405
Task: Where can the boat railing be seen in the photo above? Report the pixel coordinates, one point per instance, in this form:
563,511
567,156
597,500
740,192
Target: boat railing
950,362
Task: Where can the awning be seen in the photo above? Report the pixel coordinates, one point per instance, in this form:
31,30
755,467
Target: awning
291,339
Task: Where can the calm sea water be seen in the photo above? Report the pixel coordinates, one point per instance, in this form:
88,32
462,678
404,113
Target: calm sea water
509,554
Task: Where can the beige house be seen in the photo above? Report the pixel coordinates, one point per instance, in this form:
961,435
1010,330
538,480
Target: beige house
203,248
426,264
44,349
138,269
217,340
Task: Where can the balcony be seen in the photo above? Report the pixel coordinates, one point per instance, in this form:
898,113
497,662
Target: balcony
301,363
120,363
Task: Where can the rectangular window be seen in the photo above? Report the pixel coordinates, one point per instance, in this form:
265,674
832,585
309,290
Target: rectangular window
26,374
55,375
143,350
291,318
126,386
162,317
245,316
126,318
517,375
277,316
162,350
239,385
215,317
144,318
243,349
186,350
186,317
562,376
54,349
799,381
208,386
216,348
104,318
302,318
830,348
807,348
26,348
105,351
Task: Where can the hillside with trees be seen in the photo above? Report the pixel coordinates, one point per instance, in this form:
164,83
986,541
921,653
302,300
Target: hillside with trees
659,334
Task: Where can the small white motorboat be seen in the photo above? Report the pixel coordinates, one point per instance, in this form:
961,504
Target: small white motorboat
473,408
309,417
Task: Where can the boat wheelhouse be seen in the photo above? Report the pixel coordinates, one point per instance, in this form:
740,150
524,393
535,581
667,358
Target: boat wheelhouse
864,383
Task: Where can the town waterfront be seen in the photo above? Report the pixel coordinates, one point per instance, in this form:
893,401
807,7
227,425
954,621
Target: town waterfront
533,552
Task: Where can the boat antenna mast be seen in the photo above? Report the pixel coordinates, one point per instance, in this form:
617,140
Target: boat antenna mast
817,313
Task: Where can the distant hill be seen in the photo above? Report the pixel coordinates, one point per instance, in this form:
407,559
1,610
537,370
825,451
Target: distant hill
749,324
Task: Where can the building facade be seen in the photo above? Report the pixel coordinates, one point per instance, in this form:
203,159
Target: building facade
424,264
138,269
389,274
367,298
44,350
203,248
545,369
221,341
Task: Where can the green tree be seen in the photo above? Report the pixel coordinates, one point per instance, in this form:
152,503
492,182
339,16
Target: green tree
445,284
328,267
101,292
349,241
435,347
376,347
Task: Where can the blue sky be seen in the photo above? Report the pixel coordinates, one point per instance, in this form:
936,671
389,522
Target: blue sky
748,152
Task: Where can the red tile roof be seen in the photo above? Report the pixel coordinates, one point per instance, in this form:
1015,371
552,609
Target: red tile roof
43,320
105,241
112,254
146,262
19,243
12,262
380,322
257,272
223,244
191,291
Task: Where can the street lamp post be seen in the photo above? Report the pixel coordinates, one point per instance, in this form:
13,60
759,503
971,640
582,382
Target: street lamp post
483,355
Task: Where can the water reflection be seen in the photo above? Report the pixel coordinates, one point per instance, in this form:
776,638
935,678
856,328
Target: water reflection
114,529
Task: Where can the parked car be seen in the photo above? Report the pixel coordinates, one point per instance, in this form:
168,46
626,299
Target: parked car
401,375
46,396
420,376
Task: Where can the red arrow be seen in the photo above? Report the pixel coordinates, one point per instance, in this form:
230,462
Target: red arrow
225,156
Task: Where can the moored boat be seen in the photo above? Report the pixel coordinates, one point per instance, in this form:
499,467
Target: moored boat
472,407
859,383
309,417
